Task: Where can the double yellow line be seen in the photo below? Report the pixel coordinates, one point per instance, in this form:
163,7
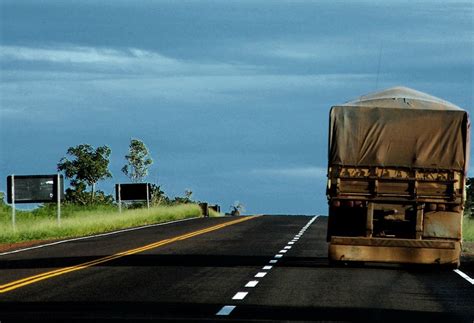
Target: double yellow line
50,274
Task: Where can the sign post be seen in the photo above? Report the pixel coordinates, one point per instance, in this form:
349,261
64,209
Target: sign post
119,193
148,196
58,193
13,203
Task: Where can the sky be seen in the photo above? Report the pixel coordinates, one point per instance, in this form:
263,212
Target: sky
231,97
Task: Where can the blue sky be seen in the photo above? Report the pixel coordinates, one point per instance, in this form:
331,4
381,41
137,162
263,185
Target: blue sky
231,97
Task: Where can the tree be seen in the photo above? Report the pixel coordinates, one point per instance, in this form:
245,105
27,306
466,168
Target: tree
236,208
88,166
187,198
138,161
158,196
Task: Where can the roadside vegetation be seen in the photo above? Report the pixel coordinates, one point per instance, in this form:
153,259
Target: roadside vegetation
468,229
87,210
41,224
468,220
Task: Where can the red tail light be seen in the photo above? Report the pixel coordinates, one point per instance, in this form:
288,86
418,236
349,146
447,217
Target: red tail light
350,203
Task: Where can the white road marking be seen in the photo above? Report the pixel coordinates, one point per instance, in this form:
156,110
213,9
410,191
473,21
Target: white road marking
465,276
252,283
226,310
95,236
240,295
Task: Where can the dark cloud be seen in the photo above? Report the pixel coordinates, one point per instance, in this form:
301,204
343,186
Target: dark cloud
231,97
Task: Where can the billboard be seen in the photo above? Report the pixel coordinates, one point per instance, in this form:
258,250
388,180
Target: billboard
34,188
133,192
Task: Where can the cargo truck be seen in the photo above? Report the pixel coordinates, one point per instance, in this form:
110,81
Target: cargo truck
396,179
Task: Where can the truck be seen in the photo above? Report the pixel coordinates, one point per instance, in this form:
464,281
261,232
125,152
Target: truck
397,167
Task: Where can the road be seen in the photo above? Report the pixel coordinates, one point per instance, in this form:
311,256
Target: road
264,268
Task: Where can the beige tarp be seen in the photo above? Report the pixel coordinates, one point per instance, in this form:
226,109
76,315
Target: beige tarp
399,127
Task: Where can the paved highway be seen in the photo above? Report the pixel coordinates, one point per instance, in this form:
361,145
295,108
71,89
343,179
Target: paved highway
234,268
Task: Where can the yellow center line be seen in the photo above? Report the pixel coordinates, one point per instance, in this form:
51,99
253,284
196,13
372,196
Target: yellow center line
53,273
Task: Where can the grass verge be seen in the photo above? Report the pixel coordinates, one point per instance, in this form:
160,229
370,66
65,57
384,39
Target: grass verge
468,229
213,213
77,222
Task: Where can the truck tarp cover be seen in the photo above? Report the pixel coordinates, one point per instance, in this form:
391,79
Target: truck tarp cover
399,127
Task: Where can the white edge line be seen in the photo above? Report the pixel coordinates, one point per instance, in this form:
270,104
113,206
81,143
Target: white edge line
464,275
96,236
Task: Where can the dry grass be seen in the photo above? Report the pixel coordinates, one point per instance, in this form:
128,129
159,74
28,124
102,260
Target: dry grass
78,222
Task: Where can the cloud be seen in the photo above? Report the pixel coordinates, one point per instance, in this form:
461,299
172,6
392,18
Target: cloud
310,49
341,50
297,172
91,78
68,55
118,61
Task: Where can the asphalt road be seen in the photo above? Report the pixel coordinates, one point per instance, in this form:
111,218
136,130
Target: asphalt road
186,271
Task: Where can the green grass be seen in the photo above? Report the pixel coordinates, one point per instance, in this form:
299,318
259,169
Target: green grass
468,229
213,213
41,224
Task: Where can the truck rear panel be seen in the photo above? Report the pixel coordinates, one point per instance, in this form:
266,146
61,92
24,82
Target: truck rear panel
396,180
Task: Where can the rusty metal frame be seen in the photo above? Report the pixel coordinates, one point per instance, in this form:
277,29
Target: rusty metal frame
416,191
405,251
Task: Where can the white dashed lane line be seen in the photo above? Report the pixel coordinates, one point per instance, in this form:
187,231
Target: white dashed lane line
465,276
226,310
239,296
260,274
252,283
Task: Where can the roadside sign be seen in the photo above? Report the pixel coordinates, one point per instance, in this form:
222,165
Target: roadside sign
133,192
34,188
